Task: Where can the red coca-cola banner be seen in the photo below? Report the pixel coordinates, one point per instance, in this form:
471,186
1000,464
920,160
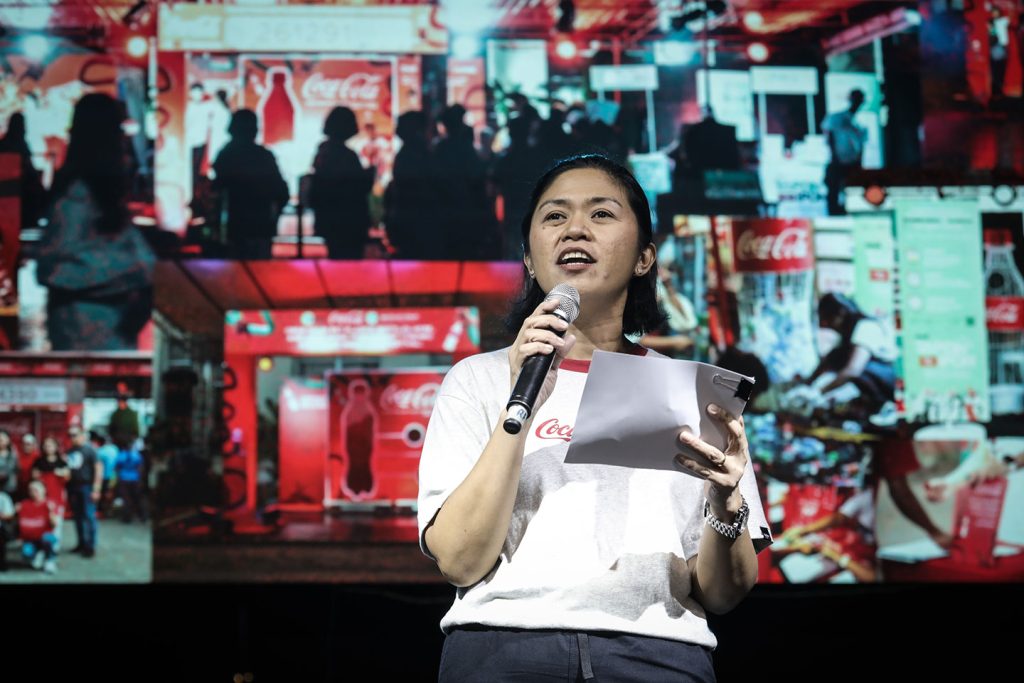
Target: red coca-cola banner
772,245
976,521
82,367
376,427
1004,313
292,98
302,448
363,332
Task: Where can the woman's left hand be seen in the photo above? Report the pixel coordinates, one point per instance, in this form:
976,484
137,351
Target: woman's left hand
720,471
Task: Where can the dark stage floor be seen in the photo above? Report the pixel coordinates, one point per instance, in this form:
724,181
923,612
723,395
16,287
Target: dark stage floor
293,547
387,632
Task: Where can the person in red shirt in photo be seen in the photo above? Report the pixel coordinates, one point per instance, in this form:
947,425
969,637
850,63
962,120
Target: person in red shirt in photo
26,457
37,520
52,470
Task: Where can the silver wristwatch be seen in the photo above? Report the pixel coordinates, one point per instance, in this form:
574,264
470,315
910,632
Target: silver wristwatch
731,531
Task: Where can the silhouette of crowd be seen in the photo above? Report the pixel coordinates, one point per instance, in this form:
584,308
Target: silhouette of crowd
450,195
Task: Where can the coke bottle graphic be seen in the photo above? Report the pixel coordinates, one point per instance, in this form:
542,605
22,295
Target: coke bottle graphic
278,109
451,340
1004,314
359,430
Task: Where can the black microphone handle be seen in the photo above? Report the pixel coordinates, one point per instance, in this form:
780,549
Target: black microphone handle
528,384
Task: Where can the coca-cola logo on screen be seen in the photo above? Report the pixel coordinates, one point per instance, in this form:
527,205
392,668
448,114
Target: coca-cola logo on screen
346,318
355,88
1005,313
409,400
790,244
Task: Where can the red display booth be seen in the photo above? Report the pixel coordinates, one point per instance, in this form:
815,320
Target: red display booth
354,437
376,424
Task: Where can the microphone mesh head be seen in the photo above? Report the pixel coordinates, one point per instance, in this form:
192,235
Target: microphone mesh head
568,301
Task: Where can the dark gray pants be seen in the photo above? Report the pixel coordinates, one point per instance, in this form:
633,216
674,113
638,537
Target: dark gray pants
486,654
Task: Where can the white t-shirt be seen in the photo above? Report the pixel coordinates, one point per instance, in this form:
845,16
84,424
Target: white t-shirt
589,547
870,334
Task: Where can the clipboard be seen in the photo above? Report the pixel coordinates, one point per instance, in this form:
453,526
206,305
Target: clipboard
634,407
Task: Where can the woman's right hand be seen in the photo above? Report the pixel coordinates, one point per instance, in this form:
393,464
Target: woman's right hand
536,338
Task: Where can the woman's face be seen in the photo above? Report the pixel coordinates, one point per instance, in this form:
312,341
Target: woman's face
584,233
50,447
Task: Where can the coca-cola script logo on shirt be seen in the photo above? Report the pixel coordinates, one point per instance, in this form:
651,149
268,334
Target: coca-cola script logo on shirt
354,89
553,429
410,400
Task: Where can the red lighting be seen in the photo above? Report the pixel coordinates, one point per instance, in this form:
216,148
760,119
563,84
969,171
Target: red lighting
874,195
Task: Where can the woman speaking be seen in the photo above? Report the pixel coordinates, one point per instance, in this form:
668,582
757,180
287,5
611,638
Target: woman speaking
579,572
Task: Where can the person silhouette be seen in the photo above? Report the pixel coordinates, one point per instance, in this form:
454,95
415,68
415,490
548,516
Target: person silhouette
515,172
96,264
340,188
32,192
846,140
464,193
410,201
251,188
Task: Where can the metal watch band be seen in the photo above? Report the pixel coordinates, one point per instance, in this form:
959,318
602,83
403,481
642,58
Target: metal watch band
730,531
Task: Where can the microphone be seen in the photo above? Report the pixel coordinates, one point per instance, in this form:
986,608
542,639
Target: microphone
535,368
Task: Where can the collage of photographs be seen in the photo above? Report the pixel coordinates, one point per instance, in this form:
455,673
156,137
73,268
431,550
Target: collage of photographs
243,242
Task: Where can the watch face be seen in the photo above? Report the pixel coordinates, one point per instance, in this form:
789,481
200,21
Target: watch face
741,516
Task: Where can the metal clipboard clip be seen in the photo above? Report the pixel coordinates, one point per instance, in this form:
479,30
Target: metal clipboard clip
741,388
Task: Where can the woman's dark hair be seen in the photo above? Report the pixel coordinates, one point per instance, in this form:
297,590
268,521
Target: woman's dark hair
832,305
15,130
412,125
642,313
56,443
341,124
95,156
453,117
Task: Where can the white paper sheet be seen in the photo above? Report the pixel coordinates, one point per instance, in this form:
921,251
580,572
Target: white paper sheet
634,407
